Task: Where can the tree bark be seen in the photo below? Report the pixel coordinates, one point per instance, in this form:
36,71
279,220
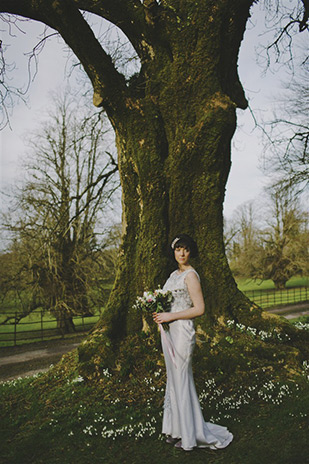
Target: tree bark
65,324
174,158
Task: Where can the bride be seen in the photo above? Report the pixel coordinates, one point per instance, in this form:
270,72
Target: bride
183,421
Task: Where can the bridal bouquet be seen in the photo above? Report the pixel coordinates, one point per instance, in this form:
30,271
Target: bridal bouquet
158,301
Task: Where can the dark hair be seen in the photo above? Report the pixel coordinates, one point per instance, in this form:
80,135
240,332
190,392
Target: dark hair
184,240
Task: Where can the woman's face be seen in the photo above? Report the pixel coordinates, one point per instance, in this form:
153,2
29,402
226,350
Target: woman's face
182,255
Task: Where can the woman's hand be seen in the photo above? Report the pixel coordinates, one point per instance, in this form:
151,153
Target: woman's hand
160,318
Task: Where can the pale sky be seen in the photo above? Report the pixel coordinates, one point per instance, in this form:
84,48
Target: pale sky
246,180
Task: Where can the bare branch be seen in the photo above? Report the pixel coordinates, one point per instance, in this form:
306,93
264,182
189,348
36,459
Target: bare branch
109,85
33,56
7,91
285,22
288,137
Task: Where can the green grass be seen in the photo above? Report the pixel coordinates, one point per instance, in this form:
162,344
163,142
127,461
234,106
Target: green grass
304,319
262,293
250,284
269,298
29,329
33,322
59,417
65,425
265,295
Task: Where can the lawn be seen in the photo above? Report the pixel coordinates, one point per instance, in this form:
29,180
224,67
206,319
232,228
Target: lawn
59,417
264,294
38,326
77,425
250,284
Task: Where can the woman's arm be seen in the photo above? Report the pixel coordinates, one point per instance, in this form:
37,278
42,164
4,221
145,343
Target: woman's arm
196,294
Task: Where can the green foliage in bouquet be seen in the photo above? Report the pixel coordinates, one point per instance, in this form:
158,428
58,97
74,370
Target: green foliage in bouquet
158,301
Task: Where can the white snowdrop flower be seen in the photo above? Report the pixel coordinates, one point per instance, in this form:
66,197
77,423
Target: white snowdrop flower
240,326
251,330
106,372
263,334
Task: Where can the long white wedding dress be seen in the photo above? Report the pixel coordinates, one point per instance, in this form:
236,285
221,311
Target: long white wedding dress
182,417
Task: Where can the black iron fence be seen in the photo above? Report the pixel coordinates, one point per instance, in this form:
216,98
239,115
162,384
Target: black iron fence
38,326
272,297
41,325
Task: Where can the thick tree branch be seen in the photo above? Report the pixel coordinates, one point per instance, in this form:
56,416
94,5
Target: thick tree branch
129,15
65,17
304,21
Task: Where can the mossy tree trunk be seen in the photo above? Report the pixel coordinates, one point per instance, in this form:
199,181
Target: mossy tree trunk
173,137
174,122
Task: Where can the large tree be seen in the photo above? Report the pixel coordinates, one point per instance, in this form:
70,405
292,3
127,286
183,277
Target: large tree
274,248
57,219
284,242
174,121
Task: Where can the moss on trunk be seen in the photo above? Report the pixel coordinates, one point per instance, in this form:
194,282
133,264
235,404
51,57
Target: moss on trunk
173,137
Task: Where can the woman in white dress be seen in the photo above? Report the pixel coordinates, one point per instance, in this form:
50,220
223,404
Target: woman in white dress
183,421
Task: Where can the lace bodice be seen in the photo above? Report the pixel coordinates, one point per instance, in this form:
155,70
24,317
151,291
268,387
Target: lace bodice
177,285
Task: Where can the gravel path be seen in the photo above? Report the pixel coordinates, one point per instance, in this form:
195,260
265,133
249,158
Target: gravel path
27,360
291,311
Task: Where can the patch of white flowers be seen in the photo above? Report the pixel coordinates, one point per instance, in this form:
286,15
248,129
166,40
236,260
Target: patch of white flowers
302,325
215,398
275,334
148,381
115,401
146,423
301,414
109,428
14,382
78,379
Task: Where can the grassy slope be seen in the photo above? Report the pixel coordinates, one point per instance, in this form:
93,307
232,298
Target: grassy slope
36,431
60,418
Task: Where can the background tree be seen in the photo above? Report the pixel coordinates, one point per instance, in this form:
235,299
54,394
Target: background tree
242,241
284,251
275,247
14,284
173,121
60,212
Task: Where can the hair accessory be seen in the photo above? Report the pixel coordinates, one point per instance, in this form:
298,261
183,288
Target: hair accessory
174,242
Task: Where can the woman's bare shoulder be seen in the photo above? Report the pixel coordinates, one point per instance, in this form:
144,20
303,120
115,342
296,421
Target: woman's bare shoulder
192,275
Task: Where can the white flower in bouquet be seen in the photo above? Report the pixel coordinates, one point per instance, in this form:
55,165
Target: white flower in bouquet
157,301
